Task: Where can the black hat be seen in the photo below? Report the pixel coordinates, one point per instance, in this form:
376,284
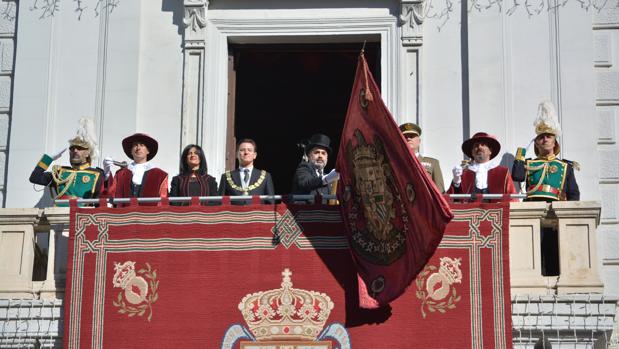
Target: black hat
318,140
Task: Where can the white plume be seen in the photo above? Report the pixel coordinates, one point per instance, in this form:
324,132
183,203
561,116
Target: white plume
86,132
547,120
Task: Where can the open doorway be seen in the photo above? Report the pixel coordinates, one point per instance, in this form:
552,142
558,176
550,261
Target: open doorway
284,93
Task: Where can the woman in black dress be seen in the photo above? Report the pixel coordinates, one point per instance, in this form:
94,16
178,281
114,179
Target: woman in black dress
193,179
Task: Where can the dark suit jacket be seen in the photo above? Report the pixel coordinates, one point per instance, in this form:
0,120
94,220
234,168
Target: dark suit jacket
306,181
265,188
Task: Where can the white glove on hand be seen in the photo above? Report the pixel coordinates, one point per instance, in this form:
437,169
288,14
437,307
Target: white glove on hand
457,172
331,177
107,166
58,154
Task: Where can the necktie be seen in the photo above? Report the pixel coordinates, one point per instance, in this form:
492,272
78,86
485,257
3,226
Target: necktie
246,177
319,172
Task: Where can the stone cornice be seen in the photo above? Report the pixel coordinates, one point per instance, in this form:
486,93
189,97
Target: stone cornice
14,216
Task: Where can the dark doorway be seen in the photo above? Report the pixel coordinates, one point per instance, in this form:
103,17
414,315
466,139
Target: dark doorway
287,92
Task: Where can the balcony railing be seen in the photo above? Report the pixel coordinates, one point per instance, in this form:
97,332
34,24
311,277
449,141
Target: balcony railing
33,249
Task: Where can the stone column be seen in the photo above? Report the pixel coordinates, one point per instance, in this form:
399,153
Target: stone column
17,251
525,257
578,262
58,219
412,13
194,44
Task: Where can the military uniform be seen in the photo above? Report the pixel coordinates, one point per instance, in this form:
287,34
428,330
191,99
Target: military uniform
431,165
433,169
546,179
68,182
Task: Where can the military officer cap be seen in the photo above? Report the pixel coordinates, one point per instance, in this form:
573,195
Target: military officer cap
547,122
86,138
410,128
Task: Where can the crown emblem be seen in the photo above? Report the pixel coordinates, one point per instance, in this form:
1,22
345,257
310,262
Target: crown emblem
450,269
286,313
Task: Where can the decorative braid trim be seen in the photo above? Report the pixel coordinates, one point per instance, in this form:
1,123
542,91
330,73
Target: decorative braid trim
56,170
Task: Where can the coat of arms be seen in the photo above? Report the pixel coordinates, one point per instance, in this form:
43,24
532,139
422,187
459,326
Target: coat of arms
373,195
286,318
139,290
436,289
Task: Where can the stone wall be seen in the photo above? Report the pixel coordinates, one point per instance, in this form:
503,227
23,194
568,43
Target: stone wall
8,23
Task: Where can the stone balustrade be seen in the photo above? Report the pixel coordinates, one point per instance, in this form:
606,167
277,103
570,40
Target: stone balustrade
28,233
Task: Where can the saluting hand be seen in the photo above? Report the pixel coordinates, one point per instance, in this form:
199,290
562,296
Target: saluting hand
58,154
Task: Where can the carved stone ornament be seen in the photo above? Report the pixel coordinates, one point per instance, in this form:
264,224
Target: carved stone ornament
194,19
195,14
411,19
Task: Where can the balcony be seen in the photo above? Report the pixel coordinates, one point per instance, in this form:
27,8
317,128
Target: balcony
556,289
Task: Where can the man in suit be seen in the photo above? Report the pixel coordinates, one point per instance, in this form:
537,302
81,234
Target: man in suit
309,178
246,180
481,175
140,178
412,134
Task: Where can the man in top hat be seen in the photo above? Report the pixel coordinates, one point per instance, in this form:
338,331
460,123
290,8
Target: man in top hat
246,179
547,177
412,134
80,180
140,178
310,176
481,176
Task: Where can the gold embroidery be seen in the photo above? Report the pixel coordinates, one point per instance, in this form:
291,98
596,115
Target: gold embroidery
56,171
246,191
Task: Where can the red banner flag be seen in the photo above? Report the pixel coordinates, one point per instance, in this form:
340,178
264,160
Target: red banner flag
394,214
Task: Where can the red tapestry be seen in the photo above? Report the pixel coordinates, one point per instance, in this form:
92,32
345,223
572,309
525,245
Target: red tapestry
394,214
242,276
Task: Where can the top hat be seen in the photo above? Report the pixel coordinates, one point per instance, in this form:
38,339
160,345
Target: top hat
143,138
410,128
490,140
318,140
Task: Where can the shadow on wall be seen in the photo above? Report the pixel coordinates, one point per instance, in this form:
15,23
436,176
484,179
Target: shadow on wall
178,12
45,200
507,160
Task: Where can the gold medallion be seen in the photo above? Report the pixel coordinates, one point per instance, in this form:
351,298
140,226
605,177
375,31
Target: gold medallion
553,169
85,179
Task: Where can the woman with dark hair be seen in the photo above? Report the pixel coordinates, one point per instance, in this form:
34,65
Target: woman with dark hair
193,179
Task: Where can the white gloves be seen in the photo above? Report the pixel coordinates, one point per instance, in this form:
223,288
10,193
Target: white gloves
107,166
331,177
58,154
457,172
